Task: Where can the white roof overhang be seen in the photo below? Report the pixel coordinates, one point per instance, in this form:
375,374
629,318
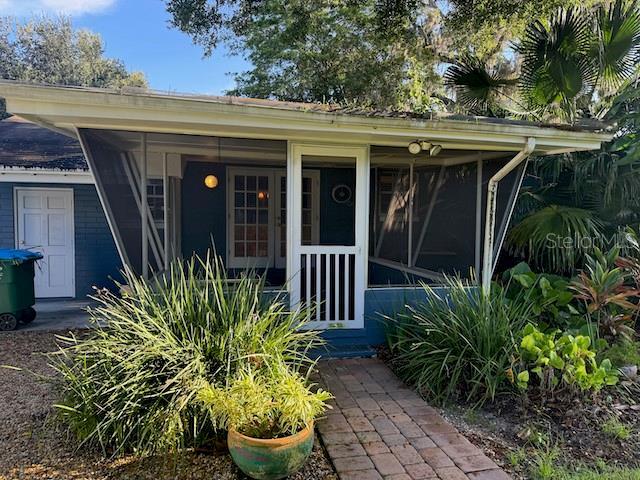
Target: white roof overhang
64,109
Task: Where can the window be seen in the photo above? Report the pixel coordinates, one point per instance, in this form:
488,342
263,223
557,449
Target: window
155,199
251,200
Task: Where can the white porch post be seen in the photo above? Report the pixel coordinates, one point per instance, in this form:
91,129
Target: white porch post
143,209
294,213
165,207
363,184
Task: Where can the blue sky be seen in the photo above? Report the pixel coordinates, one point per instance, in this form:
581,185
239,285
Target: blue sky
138,32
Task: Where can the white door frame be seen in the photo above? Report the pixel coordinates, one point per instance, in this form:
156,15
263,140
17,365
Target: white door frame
295,249
17,222
314,175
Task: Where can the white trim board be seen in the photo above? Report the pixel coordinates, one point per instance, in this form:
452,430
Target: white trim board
41,175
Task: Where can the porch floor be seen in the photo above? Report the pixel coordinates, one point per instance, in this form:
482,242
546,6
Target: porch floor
379,428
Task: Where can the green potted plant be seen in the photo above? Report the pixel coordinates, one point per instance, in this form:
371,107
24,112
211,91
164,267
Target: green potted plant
269,416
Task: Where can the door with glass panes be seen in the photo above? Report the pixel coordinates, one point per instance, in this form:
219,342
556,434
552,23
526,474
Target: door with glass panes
257,216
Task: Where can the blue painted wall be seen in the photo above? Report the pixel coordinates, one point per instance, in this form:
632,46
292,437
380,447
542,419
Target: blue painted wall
97,259
203,209
378,302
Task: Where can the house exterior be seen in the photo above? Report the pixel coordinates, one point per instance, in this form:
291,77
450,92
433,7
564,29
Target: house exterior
345,211
48,202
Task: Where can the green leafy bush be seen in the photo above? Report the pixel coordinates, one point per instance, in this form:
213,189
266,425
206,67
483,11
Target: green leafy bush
458,344
566,362
133,385
552,301
271,403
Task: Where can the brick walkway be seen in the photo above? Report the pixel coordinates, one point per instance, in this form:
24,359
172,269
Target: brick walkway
379,428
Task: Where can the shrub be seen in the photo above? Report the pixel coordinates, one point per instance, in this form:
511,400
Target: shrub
458,344
552,302
133,385
566,362
607,298
271,403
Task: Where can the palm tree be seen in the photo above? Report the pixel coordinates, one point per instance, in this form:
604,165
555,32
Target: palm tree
570,67
580,64
588,198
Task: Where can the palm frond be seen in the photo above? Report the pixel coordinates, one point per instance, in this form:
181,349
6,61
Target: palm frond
556,67
477,88
556,238
618,43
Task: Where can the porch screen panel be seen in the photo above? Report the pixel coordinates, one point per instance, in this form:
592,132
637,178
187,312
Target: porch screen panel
109,169
391,214
444,219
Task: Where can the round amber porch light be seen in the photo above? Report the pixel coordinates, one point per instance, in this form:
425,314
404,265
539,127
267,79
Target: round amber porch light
211,181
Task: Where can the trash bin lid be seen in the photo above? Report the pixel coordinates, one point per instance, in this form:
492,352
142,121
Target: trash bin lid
18,256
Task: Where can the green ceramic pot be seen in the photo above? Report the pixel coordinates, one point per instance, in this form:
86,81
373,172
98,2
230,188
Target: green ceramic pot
270,459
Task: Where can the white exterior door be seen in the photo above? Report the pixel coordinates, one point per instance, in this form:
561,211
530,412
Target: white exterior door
256,221
44,223
329,279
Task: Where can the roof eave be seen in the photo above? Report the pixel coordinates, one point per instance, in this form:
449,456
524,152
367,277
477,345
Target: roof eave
64,110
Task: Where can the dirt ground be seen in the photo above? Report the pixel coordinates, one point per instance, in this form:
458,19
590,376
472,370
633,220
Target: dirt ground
34,445
573,429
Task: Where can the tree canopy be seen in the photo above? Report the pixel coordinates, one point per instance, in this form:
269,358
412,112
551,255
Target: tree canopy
50,50
382,53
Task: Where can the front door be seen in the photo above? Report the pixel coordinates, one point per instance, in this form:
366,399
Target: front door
258,214
329,277
45,224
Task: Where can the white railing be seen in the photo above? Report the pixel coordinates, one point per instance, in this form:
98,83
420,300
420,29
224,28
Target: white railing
327,283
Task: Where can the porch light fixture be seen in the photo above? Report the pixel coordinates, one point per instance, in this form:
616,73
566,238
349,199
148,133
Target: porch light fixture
418,146
415,148
211,181
435,150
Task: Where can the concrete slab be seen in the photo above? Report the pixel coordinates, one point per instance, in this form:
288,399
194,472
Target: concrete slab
59,314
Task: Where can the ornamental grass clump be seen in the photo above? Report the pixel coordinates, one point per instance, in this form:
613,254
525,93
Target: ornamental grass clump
133,385
266,404
459,343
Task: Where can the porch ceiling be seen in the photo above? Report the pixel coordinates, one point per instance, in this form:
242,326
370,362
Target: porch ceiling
67,108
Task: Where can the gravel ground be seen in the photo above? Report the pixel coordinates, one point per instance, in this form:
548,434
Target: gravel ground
33,445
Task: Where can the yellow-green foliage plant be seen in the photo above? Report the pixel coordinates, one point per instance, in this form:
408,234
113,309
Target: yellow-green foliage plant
566,362
268,403
132,386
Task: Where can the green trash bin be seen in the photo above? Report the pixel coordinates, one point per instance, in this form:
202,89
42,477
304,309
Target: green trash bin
17,269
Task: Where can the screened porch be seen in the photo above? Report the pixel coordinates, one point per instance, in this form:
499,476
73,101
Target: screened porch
366,218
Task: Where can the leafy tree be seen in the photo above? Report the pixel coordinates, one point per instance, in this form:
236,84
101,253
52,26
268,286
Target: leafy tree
320,50
571,66
50,50
382,53
313,51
